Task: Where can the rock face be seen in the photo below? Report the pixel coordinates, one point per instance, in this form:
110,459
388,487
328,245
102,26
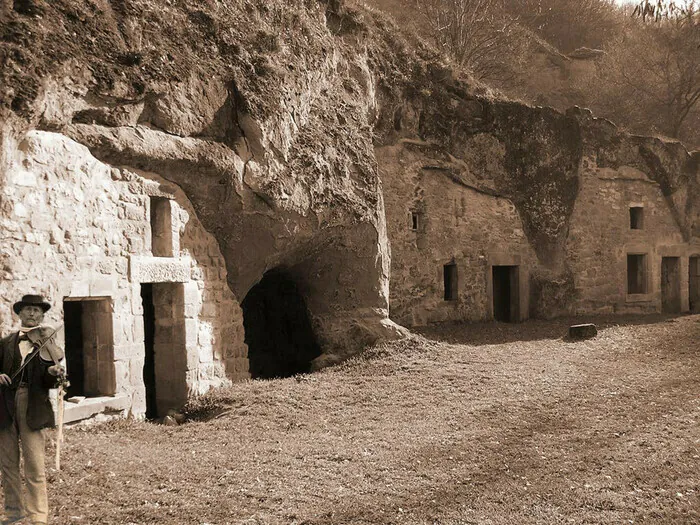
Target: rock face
268,153
172,147
498,211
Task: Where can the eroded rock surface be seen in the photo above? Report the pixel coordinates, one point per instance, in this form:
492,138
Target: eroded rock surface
279,121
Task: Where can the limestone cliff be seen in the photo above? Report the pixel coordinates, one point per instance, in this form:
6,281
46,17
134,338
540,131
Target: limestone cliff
259,111
268,113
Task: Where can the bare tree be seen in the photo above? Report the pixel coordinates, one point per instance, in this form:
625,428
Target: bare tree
650,79
663,9
477,34
569,24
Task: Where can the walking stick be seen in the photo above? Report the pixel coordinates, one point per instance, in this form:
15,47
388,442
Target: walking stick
59,433
62,385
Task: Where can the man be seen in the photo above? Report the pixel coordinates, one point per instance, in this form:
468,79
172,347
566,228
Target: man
27,409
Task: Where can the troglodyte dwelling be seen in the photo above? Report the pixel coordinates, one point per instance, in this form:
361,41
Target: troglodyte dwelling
551,215
207,207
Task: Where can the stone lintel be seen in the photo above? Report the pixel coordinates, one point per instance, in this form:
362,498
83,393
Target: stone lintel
504,259
678,250
159,269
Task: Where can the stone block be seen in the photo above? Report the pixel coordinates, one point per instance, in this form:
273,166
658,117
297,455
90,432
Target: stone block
191,311
138,331
583,331
209,309
191,333
102,286
125,352
121,374
159,270
192,352
80,288
136,373
206,353
136,301
92,406
121,329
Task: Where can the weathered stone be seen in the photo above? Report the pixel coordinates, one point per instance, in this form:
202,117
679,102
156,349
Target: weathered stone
85,226
159,270
583,331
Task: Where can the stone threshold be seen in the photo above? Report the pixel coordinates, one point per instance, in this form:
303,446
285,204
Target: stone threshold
91,406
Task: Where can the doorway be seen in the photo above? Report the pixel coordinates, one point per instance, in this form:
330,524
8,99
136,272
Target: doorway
506,294
165,357
694,283
89,347
671,284
278,331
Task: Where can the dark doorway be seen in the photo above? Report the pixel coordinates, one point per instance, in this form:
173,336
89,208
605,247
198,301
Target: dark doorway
451,284
73,331
694,284
165,347
636,273
89,347
278,331
506,296
149,364
671,284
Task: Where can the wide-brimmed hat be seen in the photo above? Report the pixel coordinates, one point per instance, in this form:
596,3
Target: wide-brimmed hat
31,300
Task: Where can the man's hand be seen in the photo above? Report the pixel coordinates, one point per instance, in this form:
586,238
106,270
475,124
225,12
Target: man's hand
57,370
5,380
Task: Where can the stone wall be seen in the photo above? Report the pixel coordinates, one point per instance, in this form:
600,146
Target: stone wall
434,219
77,229
561,214
600,238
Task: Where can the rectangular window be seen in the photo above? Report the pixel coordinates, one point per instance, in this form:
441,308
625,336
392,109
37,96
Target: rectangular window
636,273
450,278
416,221
161,227
636,218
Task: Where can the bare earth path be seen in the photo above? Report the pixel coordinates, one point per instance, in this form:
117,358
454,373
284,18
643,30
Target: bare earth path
487,424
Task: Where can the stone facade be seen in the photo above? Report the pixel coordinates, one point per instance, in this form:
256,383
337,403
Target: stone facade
84,234
627,243
601,236
436,220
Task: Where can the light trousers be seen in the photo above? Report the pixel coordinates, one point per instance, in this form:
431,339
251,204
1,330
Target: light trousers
36,506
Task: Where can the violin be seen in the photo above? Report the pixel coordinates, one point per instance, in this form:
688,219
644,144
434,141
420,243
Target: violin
44,337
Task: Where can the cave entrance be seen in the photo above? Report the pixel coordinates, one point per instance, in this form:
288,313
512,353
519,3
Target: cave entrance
671,284
281,342
506,296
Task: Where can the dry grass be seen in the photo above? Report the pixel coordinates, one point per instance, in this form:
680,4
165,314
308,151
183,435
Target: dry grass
502,424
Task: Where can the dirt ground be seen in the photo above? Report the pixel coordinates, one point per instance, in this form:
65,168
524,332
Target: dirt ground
466,424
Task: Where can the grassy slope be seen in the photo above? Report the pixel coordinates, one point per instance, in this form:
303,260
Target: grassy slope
505,424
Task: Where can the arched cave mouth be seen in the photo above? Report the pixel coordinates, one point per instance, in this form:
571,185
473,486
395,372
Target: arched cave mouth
278,332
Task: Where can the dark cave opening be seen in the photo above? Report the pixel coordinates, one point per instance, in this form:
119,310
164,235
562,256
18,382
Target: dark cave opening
278,332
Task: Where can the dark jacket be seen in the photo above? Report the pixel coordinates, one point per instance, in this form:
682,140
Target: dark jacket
39,411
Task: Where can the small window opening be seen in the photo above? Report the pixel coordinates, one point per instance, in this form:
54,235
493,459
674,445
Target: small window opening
415,221
450,278
636,273
636,218
161,227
